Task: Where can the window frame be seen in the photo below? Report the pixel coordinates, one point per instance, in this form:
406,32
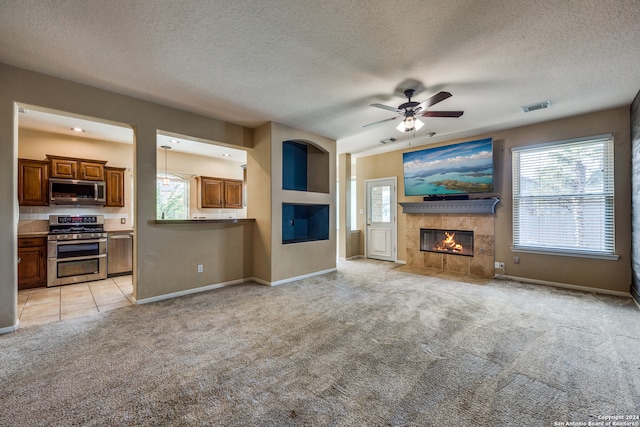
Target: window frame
173,177
607,201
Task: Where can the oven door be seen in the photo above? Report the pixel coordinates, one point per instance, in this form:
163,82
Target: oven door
76,261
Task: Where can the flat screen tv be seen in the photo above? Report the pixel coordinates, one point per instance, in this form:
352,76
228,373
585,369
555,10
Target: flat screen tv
449,170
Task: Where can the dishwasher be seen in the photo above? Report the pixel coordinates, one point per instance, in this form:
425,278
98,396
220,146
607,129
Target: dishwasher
120,253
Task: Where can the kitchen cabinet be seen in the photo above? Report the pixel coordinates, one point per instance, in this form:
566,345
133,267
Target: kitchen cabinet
72,168
114,178
219,193
120,253
32,268
233,194
33,182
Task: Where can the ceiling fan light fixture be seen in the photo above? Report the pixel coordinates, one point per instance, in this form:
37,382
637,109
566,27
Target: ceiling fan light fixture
410,123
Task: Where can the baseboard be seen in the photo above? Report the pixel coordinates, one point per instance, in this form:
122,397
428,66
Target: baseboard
401,261
351,257
188,291
635,294
10,328
293,279
567,286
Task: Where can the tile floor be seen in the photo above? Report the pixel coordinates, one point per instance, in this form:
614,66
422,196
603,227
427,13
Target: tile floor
45,305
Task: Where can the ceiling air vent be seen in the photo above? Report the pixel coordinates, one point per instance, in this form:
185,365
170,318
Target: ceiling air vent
534,107
388,140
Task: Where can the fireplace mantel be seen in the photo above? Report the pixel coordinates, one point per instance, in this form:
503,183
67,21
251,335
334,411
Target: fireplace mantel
471,206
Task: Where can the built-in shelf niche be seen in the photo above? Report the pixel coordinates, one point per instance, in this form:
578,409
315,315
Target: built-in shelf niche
304,222
305,167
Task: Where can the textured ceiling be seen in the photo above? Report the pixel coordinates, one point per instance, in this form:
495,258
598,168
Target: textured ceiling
317,65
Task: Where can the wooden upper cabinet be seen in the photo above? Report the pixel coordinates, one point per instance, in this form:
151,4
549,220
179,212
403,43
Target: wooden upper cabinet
33,182
64,168
92,171
211,192
114,178
233,194
72,168
219,193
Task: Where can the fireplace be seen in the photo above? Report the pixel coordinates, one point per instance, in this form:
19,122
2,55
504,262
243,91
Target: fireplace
453,242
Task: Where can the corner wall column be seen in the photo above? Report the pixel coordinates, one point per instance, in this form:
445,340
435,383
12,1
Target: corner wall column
344,214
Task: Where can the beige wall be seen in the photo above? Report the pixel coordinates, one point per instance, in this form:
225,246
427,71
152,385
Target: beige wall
163,254
595,273
298,259
273,261
259,200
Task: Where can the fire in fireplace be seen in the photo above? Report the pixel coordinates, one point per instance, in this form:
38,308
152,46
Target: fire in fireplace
456,242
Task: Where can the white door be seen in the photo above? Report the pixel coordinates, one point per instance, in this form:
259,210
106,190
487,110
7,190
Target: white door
381,219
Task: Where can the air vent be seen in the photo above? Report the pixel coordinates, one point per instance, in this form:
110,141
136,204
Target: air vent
388,140
534,107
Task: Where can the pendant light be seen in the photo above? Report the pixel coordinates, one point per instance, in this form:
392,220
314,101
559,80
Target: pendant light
165,181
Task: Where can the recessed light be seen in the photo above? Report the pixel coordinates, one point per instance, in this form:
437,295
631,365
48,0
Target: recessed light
77,129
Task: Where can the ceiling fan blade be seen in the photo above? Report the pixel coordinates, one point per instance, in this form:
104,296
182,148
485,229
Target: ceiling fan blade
438,97
386,107
442,114
381,121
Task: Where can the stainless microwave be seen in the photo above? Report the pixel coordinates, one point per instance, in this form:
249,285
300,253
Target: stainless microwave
76,192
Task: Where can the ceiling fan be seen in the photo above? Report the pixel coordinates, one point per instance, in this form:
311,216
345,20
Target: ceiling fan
411,110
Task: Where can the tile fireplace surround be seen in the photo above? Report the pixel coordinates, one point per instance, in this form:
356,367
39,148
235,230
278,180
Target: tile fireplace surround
476,216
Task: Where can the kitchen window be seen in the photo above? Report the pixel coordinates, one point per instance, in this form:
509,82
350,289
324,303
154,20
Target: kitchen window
563,198
172,197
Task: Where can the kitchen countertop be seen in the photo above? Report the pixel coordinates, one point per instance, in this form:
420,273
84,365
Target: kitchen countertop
205,221
34,234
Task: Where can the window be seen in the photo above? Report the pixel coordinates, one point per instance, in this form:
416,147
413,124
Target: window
563,197
172,198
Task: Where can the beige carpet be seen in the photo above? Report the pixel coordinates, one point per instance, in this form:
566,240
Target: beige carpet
367,345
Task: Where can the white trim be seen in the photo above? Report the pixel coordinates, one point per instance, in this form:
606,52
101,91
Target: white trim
602,137
565,252
401,261
188,291
567,286
293,279
394,212
351,257
10,328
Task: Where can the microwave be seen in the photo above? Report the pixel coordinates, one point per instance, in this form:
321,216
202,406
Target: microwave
76,192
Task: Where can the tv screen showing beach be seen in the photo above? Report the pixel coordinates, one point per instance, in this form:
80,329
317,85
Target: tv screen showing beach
452,169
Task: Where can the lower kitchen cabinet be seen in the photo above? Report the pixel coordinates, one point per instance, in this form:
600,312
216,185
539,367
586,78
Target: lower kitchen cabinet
32,268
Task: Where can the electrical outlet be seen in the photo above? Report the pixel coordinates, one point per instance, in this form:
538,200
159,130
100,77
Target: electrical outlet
499,264
123,220
200,268
516,260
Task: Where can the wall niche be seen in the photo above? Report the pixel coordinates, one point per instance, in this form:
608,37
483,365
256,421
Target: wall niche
304,223
305,167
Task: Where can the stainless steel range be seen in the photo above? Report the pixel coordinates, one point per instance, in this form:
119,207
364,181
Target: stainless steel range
77,249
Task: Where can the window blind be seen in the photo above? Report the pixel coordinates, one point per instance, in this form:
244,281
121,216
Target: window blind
563,196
